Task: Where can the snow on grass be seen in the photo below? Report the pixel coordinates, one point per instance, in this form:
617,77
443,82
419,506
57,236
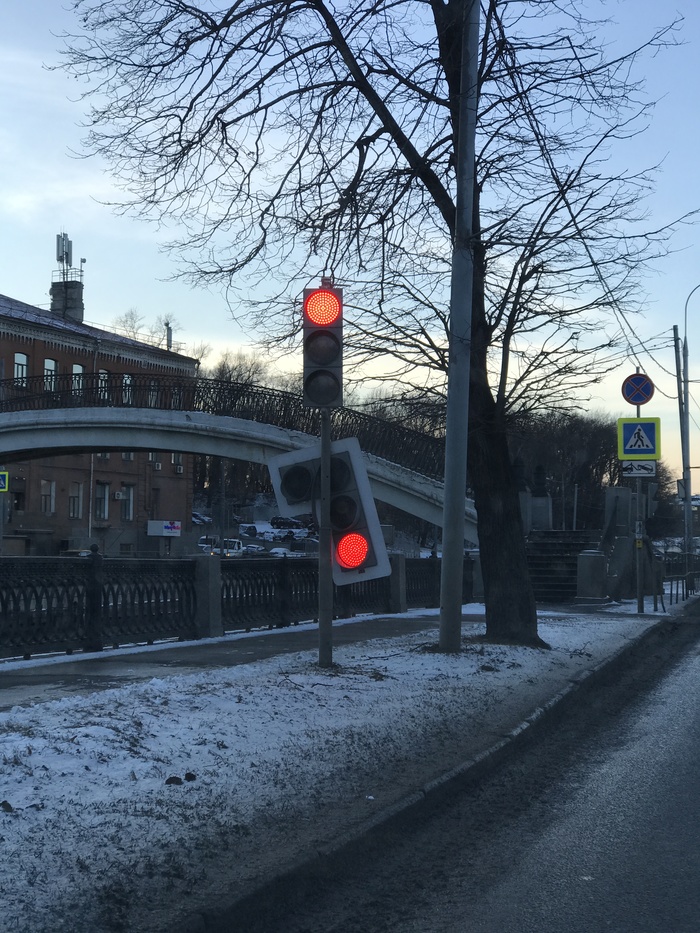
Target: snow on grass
128,809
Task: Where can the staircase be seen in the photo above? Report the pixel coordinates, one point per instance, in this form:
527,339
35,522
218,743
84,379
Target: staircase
552,558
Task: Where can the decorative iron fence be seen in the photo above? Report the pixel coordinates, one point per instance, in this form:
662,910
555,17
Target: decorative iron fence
50,604
63,604
259,591
42,605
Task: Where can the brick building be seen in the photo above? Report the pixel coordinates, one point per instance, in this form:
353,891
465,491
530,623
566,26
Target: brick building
68,502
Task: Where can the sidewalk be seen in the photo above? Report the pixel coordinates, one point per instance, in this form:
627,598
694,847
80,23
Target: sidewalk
144,783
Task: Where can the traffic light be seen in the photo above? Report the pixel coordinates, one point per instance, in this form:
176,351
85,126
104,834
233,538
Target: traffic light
323,346
296,480
358,549
652,499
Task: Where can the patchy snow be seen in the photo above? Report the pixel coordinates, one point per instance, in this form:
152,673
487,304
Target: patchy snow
133,808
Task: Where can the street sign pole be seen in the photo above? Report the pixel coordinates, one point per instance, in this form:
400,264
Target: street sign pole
638,545
639,441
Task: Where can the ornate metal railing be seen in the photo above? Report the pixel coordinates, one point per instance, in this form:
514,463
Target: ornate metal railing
148,599
42,605
260,592
390,441
62,604
50,604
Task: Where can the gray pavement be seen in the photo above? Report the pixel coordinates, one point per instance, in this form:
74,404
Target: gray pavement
50,678
23,682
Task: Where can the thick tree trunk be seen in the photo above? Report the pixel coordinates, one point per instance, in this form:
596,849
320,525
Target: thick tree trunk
511,614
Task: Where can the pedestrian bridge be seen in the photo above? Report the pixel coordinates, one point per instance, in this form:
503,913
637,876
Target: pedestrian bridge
48,416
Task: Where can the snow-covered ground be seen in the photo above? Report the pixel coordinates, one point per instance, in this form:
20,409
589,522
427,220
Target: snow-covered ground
133,808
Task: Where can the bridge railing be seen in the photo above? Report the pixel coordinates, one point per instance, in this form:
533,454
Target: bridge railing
57,604
415,451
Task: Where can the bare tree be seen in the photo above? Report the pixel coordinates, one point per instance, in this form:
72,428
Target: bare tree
297,137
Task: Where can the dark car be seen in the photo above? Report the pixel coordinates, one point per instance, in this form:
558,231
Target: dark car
281,521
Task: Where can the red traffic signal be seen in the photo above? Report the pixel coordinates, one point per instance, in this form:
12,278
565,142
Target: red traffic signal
323,347
322,306
351,550
358,548
359,551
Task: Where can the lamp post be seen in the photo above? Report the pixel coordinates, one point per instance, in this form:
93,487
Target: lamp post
685,440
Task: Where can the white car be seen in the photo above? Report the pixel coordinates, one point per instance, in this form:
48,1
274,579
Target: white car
232,548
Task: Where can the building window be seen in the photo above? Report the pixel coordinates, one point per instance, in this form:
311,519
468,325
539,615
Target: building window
103,455
101,501
127,509
128,455
48,497
153,395
127,395
78,378
103,385
21,369
176,458
50,372
75,500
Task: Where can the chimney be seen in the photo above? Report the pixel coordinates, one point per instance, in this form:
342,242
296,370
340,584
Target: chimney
67,299
67,283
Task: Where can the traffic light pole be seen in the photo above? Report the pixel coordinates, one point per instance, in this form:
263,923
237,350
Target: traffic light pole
325,569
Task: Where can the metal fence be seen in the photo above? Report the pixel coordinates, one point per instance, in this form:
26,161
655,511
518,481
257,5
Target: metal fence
420,452
50,604
681,573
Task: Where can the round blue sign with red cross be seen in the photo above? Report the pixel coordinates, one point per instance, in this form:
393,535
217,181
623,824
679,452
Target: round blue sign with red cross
637,389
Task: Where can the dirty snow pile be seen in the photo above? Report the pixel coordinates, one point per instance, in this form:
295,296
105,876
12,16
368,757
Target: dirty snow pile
135,808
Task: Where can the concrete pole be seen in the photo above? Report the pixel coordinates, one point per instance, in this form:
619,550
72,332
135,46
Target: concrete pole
460,344
685,442
325,566
687,505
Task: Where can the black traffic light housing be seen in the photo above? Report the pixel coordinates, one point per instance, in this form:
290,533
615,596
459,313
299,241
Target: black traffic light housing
359,551
323,346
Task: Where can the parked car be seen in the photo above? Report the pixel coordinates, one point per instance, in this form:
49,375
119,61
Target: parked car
232,547
254,550
282,552
207,542
280,521
200,519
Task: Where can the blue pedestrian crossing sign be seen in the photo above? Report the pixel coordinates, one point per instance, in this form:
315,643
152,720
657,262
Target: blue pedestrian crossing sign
3,480
639,438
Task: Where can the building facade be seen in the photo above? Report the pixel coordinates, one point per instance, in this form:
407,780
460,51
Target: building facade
118,500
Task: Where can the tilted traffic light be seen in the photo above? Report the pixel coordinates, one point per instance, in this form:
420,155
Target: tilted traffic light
323,346
359,551
296,481
358,548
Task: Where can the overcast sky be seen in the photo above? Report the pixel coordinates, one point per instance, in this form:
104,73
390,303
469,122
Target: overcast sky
43,190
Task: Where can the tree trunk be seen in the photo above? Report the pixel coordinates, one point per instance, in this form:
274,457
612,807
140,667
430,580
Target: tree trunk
511,614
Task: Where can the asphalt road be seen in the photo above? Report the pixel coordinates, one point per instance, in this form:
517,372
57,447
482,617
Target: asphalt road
596,828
